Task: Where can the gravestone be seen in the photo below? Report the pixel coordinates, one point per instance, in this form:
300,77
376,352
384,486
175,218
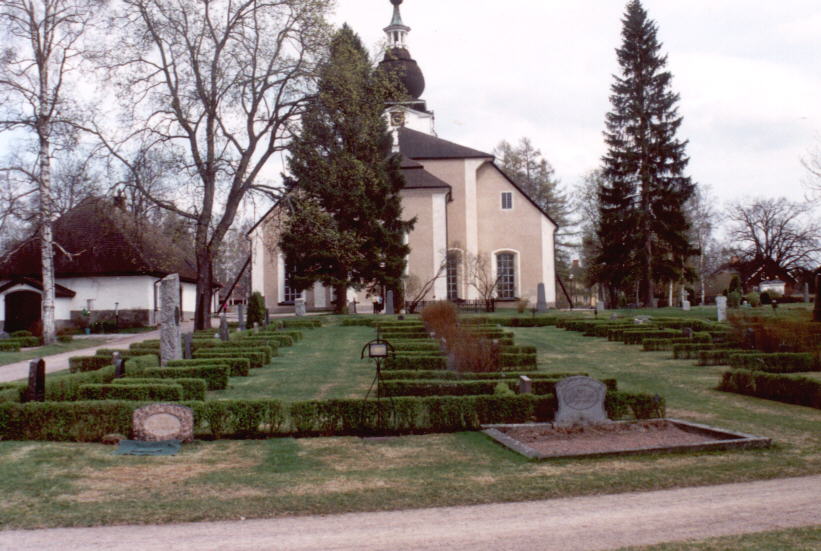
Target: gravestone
816,311
685,305
525,385
187,341
352,307
224,336
299,307
170,342
390,309
581,401
256,328
687,332
721,308
157,422
541,298
241,316
267,318
806,292
614,316
36,391
119,365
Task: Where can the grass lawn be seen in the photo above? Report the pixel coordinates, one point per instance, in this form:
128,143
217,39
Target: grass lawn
796,539
56,484
58,348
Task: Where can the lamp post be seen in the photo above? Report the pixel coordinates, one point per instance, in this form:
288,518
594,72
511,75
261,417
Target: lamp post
377,350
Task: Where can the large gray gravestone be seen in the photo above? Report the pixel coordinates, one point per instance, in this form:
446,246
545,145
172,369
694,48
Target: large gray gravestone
223,328
390,309
187,342
721,308
119,365
541,298
299,307
170,345
581,401
157,422
525,385
806,292
241,315
685,305
36,391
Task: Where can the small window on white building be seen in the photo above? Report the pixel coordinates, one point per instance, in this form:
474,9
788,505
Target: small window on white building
507,200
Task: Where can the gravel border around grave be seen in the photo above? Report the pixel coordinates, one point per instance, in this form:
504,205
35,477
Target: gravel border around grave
714,439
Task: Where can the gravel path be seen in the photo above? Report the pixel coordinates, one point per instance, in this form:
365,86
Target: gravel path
569,524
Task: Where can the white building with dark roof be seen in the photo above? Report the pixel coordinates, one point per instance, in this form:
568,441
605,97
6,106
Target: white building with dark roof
465,208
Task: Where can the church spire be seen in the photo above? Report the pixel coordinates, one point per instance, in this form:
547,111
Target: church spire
397,31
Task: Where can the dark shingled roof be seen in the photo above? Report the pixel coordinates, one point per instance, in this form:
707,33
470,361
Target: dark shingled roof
418,145
106,241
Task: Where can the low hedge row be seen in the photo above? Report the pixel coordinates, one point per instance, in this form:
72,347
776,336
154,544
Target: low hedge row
527,322
239,367
192,389
8,345
80,364
456,376
467,388
782,388
215,376
667,344
718,356
357,322
168,392
90,421
689,351
255,357
25,342
432,362
415,346
66,387
300,323
774,363
636,336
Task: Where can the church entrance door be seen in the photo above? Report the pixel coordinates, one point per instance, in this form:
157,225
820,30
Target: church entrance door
22,311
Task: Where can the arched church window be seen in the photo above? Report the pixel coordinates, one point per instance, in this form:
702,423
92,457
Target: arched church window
506,275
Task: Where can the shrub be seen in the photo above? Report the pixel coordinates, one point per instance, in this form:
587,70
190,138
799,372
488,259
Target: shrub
138,363
255,358
79,364
65,421
216,376
636,336
9,346
733,299
357,322
717,356
688,351
783,388
416,362
239,367
192,389
445,375
521,305
467,388
527,322
256,310
773,363
20,333
776,334
441,317
503,389
753,298
301,323
65,338
26,342
13,393
145,392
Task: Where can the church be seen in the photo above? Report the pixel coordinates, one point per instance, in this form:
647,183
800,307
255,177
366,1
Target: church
476,231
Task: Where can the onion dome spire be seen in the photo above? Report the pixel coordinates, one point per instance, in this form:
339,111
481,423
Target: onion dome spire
397,57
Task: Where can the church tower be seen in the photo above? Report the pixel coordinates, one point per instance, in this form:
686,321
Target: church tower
410,110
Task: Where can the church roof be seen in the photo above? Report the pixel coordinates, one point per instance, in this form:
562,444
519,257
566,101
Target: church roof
416,177
418,145
103,240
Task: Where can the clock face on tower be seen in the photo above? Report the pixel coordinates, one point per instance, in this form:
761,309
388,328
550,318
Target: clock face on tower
398,118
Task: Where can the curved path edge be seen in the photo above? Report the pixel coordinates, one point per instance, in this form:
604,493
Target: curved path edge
570,524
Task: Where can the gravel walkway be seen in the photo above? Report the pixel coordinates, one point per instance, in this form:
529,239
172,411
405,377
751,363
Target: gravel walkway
569,524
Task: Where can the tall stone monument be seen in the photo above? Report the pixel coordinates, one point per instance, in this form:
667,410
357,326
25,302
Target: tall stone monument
224,336
36,391
806,292
390,309
541,298
170,317
721,308
241,316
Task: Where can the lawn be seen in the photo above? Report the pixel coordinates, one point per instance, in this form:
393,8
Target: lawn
52,484
51,349
796,539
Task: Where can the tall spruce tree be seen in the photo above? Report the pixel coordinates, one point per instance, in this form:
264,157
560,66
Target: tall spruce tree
345,227
643,228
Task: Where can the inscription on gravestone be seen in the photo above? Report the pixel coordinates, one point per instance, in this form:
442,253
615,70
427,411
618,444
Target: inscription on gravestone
170,344
157,422
581,401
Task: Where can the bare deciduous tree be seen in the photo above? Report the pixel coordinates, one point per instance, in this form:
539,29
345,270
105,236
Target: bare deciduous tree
774,238
702,216
479,274
43,38
218,85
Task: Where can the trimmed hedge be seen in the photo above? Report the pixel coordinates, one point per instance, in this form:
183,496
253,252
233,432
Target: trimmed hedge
256,358
667,344
467,388
782,388
719,356
89,421
168,392
240,367
457,376
66,387
216,376
773,363
192,389
357,322
526,322
415,346
301,323
416,362
636,336
689,351
8,345
80,364
26,342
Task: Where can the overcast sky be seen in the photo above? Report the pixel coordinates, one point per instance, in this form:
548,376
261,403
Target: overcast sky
748,72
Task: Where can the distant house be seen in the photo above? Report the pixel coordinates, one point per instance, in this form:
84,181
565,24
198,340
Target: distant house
112,269
773,285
